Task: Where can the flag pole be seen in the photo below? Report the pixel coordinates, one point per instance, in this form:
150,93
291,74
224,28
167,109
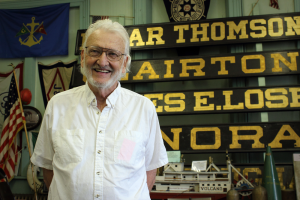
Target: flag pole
25,128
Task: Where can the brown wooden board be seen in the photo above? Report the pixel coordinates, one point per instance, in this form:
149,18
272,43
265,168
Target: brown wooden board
233,30
226,100
79,41
211,67
232,137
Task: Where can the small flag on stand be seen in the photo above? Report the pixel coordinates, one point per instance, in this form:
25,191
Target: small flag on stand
274,4
13,123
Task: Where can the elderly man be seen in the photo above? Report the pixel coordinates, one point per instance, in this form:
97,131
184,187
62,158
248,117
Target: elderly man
100,141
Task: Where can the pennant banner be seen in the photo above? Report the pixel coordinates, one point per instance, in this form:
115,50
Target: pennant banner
188,10
55,78
34,32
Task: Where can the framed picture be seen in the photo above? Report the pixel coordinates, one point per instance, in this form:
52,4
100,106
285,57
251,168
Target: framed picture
33,117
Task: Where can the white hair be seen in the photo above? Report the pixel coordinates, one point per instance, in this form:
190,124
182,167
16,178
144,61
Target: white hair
114,27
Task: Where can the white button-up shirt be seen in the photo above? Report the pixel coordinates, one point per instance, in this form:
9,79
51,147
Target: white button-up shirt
99,155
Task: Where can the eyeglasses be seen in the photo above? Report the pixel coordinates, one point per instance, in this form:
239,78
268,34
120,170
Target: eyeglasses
111,54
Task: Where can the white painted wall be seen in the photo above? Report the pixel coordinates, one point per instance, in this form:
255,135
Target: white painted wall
159,13
263,8
113,9
217,9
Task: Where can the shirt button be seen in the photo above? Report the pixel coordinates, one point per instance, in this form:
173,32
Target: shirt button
98,173
98,113
100,131
99,151
93,100
97,196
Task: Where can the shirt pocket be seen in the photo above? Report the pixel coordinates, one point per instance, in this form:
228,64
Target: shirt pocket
128,147
68,145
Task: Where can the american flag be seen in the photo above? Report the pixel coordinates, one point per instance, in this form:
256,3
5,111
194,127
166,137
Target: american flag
274,4
13,123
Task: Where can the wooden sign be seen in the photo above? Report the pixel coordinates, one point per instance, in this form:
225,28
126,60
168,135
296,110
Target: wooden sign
228,100
254,174
234,138
215,31
233,30
211,67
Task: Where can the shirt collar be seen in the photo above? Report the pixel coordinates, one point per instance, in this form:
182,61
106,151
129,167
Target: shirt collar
110,101
112,98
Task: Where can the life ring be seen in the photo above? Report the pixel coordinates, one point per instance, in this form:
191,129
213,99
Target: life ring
39,184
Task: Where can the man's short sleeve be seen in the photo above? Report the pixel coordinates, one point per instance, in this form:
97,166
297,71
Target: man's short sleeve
156,155
43,151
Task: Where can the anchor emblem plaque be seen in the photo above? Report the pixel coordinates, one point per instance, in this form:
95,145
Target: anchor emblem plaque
31,39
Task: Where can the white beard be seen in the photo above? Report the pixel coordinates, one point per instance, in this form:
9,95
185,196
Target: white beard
116,76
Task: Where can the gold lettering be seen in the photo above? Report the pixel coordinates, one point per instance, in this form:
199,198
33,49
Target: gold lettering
291,65
143,70
136,36
291,25
281,136
157,36
217,134
199,101
223,60
259,70
236,137
175,143
271,30
256,170
214,32
203,32
262,29
228,105
168,72
198,68
260,103
237,28
155,96
285,100
172,102
181,29
280,171
295,97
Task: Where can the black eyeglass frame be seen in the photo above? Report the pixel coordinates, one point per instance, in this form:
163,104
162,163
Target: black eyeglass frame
104,50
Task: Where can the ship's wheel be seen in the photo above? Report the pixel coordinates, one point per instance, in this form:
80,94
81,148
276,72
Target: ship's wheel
243,185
